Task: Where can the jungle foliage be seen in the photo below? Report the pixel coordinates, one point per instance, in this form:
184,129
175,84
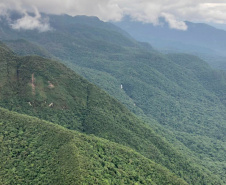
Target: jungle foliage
47,89
178,95
33,151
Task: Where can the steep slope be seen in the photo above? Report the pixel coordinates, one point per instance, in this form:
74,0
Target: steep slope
48,90
38,152
187,98
77,39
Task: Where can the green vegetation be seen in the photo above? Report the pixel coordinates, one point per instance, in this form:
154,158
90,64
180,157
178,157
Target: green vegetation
38,152
178,95
188,102
50,91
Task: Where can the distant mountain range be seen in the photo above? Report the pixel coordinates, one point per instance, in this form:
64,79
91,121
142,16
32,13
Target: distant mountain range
200,39
179,97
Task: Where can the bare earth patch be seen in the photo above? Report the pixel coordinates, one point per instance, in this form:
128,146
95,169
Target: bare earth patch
51,86
32,84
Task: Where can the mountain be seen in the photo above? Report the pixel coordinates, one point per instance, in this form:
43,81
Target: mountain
34,151
170,95
200,39
48,90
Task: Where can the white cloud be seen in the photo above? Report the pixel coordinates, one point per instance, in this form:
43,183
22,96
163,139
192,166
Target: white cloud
29,22
174,11
173,23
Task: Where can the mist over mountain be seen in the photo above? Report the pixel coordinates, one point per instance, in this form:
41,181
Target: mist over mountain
199,39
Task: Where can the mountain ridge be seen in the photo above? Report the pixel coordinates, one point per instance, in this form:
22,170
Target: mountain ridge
199,39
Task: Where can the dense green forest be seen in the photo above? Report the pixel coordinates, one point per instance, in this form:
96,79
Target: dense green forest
39,152
49,90
178,95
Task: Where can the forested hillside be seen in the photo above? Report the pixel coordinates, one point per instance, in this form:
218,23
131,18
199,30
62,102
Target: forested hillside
180,96
33,151
50,91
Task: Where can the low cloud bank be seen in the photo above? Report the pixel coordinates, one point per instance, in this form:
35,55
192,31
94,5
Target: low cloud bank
173,11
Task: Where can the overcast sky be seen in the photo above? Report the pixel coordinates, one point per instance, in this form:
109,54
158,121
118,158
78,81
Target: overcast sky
174,11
